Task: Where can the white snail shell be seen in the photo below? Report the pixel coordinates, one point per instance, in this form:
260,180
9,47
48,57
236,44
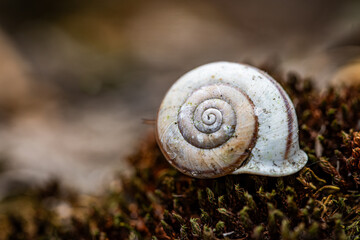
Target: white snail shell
227,118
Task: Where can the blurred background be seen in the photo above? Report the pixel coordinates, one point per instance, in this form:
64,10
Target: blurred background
77,78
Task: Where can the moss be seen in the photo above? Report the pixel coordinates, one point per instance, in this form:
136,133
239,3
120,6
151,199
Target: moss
322,201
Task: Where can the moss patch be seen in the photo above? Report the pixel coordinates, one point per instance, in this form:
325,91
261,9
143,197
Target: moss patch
322,201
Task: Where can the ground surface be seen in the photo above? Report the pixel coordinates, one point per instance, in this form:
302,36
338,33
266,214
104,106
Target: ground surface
322,201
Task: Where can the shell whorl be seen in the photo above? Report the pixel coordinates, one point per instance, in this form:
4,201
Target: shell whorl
217,126
219,115
208,118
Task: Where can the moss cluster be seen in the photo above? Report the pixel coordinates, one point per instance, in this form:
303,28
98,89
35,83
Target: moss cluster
322,201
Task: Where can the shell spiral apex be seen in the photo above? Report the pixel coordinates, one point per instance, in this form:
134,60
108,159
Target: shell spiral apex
228,118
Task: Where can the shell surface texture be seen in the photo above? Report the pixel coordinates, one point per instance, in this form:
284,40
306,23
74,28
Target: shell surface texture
228,118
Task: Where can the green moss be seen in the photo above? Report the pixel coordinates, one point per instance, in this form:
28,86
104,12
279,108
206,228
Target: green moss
322,201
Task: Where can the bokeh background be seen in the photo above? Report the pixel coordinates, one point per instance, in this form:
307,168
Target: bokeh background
77,78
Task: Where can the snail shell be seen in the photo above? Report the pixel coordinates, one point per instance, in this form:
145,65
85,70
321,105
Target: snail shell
227,118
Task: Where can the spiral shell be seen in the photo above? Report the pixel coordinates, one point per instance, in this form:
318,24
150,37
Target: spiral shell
228,118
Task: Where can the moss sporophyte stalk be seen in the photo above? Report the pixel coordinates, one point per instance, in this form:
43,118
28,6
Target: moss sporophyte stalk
322,201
